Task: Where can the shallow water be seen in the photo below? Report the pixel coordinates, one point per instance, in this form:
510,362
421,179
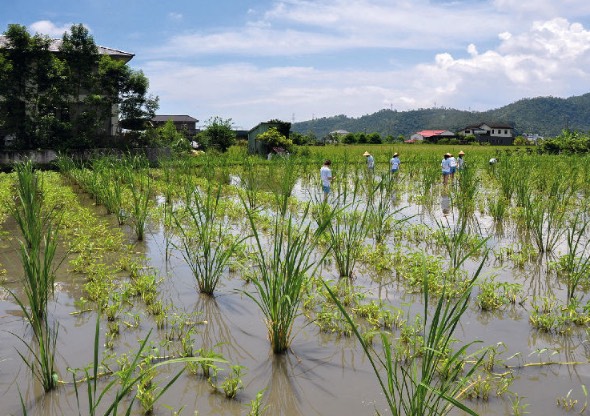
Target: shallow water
321,374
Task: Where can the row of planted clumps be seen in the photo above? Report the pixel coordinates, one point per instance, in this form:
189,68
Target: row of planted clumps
291,244
115,278
344,227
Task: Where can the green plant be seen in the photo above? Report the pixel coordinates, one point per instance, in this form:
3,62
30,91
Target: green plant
233,382
577,262
206,248
118,389
256,407
416,388
494,295
282,272
139,182
518,408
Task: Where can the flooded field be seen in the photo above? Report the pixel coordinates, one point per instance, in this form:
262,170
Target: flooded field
131,241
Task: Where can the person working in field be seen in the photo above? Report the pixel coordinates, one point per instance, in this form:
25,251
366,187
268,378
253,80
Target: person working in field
326,177
461,161
453,164
370,161
394,163
446,168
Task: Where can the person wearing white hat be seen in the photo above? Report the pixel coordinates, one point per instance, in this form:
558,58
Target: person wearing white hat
370,161
394,162
461,161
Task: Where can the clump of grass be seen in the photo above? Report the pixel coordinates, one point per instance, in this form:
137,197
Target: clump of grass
139,183
37,252
282,272
206,247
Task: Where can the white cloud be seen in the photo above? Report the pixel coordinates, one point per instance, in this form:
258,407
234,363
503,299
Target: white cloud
308,27
175,16
49,28
551,58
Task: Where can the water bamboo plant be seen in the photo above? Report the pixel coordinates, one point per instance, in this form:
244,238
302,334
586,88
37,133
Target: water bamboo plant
283,265
206,245
139,182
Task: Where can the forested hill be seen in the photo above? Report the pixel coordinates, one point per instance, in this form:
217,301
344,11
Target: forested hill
546,116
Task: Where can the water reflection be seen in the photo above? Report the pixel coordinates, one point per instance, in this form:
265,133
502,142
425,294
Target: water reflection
445,204
217,331
282,393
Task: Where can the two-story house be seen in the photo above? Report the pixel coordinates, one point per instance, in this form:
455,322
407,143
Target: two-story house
108,124
499,134
183,123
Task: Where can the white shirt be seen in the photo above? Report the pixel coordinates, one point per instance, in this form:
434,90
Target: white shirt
394,162
325,175
370,162
446,165
453,162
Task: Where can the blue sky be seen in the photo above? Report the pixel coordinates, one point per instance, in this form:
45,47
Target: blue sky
294,60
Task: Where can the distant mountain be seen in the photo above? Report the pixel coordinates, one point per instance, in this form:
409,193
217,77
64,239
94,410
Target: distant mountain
546,116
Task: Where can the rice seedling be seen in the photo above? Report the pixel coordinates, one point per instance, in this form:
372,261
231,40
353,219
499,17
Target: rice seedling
206,246
468,187
457,242
497,207
347,228
251,183
283,175
39,230
544,221
139,182
577,261
41,353
380,219
415,388
282,271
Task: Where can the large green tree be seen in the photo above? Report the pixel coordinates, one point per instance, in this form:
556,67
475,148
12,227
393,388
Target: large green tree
30,78
218,134
66,99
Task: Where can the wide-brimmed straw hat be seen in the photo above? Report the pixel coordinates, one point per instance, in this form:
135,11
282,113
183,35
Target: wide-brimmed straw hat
461,152
366,154
448,154
395,154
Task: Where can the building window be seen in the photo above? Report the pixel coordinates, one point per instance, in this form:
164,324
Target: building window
505,131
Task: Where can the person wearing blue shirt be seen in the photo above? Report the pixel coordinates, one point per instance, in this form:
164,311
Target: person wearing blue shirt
394,163
446,168
370,161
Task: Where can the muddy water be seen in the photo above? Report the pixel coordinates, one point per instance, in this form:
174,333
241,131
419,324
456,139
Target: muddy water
321,374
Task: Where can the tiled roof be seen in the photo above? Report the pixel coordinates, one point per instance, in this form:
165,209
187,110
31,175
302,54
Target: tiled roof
430,133
174,117
491,125
56,44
